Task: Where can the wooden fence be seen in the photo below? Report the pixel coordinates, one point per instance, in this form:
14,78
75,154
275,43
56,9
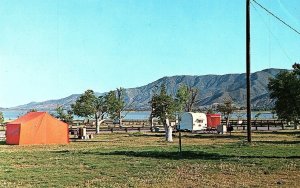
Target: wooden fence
257,123
144,125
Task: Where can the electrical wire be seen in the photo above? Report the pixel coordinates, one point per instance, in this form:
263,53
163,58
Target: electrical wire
292,28
270,30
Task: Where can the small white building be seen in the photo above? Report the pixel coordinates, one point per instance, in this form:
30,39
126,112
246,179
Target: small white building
193,121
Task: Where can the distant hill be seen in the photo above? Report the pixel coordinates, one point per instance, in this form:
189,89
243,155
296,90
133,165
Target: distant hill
50,104
213,89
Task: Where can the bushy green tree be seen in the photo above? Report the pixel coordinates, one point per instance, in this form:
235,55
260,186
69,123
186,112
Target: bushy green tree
164,108
64,115
88,105
226,109
115,104
285,89
85,104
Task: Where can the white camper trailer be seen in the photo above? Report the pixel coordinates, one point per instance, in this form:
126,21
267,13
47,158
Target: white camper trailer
193,121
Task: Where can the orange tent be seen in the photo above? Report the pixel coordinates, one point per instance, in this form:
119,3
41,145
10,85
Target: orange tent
37,128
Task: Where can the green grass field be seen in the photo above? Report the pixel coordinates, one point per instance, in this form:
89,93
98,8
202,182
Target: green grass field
146,160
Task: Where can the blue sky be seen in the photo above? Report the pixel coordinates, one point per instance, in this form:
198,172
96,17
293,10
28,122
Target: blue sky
51,48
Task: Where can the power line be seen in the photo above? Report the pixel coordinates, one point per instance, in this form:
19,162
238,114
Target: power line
276,17
270,30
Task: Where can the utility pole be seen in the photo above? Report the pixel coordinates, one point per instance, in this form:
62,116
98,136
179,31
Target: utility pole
248,70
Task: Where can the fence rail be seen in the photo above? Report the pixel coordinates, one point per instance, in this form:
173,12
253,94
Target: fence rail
74,130
144,125
257,123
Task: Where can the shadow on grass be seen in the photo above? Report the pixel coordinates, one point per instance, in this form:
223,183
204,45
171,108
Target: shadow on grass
278,132
148,135
173,155
88,140
185,135
62,151
190,155
215,136
279,142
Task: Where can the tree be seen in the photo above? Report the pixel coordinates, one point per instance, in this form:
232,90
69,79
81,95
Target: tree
32,110
64,115
100,111
186,98
210,111
84,105
285,89
296,68
88,105
226,109
1,118
115,104
193,94
163,107
182,98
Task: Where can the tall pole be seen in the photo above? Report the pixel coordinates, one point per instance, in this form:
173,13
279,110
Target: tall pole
179,129
180,150
248,70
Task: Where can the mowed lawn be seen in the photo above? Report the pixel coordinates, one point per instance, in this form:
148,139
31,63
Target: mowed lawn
146,160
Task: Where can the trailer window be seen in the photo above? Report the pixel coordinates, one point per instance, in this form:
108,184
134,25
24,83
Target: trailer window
199,120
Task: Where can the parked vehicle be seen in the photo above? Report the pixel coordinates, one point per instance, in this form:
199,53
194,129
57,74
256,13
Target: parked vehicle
193,121
213,120
199,121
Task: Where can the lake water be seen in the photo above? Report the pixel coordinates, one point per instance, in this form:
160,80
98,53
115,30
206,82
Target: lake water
137,115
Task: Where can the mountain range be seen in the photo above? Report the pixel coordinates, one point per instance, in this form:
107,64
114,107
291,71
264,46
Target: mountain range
212,88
